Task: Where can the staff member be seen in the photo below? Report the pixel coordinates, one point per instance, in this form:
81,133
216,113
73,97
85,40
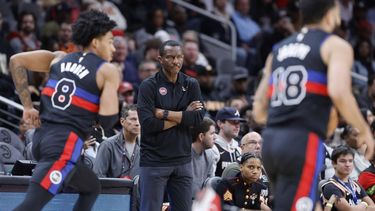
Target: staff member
169,103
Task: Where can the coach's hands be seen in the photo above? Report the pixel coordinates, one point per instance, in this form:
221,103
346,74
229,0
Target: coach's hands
195,105
31,117
159,113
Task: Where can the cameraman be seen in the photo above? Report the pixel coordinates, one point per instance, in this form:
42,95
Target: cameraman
118,156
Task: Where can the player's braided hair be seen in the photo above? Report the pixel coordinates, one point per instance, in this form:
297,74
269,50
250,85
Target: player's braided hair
247,156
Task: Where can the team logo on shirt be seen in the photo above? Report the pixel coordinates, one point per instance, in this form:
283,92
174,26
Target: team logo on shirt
55,177
304,204
163,90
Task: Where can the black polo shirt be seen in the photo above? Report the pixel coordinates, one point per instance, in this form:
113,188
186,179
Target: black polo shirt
172,146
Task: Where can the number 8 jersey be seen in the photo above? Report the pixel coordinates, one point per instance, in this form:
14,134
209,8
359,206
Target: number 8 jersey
298,86
71,95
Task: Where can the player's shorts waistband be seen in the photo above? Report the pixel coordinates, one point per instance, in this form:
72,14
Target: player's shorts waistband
295,126
58,126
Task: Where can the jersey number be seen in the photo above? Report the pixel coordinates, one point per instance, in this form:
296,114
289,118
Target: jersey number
288,85
64,91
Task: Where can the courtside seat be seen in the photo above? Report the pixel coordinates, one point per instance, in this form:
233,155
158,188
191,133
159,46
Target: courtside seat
9,154
9,137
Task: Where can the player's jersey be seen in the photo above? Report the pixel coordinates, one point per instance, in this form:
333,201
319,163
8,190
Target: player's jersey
298,86
71,95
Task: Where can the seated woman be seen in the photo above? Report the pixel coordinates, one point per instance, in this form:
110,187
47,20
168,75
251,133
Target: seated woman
245,190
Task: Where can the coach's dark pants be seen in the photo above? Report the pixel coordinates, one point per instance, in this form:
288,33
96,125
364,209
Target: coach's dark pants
178,181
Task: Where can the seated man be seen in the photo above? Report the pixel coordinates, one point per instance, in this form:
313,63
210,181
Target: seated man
350,194
119,155
226,147
245,190
202,156
250,142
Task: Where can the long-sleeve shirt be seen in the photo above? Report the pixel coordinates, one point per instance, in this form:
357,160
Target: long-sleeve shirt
172,146
203,168
113,160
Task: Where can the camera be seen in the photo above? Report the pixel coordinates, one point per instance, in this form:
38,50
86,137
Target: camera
97,133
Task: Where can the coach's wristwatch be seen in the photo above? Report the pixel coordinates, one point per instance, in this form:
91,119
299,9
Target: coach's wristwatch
165,114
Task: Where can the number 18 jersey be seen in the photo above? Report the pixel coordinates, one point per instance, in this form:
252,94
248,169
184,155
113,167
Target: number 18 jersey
298,85
71,95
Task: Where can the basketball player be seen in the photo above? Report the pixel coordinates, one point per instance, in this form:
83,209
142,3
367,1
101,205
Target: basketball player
304,75
81,85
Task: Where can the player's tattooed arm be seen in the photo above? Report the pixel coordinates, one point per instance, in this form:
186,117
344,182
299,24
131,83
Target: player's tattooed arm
38,61
20,79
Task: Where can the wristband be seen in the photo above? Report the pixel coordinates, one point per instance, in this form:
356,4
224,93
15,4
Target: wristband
108,121
329,205
165,114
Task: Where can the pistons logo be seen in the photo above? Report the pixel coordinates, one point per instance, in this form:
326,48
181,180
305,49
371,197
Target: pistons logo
304,204
163,90
55,177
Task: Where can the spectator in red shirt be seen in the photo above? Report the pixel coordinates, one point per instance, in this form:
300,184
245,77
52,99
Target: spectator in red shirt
367,180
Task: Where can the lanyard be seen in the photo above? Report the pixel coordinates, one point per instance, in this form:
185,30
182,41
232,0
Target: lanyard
124,158
350,187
